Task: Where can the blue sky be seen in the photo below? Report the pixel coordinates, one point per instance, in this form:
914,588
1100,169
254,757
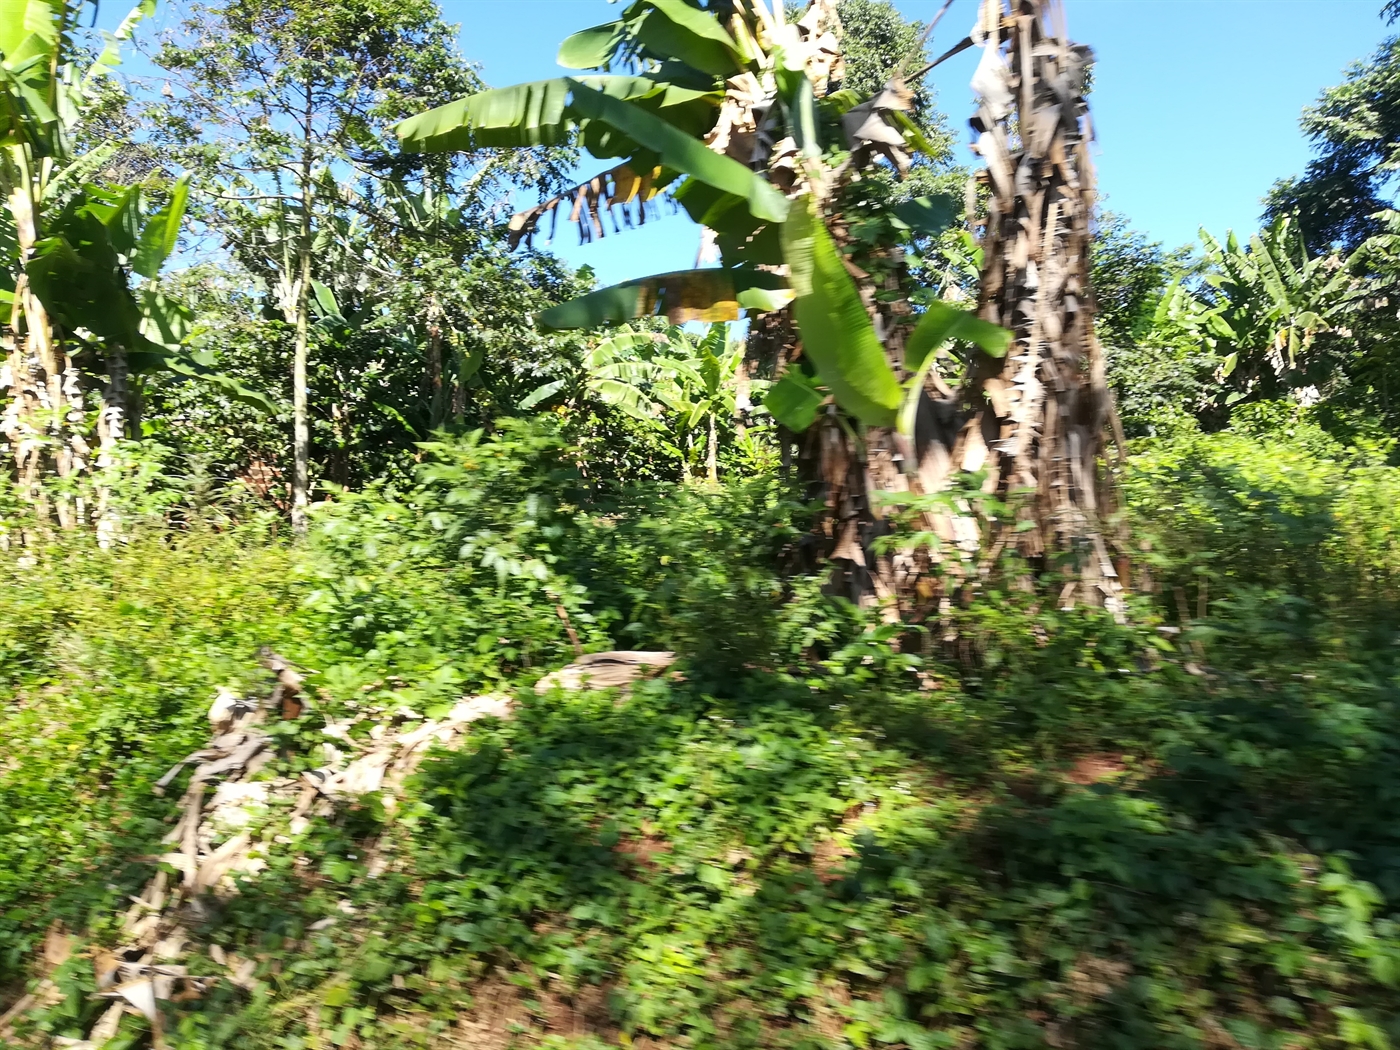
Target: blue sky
1196,101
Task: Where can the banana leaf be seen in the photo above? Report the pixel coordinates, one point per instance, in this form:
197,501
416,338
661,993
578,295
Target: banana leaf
531,114
942,323
680,151
674,29
77,276
794,401
28,27
929,215
708,295
590,48
837,336
161,231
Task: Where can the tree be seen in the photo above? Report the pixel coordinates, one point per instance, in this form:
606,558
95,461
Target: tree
282,110
734,106
71,238
1355,129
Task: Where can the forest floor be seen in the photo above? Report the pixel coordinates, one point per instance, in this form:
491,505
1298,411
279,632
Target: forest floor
1066,832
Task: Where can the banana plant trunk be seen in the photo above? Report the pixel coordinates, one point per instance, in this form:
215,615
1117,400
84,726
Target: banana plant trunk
1045,408
46,409
1031,423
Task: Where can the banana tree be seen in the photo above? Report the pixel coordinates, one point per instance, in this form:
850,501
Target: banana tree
669,380
741,116
70,246
1271,304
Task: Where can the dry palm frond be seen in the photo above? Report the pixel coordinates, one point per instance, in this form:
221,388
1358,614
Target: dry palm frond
591,203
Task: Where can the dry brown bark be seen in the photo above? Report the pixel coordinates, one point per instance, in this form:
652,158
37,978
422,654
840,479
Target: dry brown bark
1035,420
1045,408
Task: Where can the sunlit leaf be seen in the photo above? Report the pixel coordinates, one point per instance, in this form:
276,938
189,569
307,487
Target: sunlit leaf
678,30
590,48
682,152
161,231
837,335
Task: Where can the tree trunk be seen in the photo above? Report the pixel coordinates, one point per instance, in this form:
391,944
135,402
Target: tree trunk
437,400
1033,421
301,430
112,423
1040,421
711,455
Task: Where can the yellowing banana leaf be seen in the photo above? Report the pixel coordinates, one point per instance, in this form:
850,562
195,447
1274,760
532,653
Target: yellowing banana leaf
685,295
590,48
794,401
837,336
675,29
680,151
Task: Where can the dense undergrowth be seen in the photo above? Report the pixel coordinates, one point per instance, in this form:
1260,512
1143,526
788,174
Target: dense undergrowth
1065,833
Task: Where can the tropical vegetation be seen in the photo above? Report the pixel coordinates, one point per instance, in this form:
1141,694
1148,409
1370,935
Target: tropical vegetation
1011,602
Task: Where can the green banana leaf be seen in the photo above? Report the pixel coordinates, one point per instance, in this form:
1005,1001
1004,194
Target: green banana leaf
236,391
942,323
77,276
590,48
531,114
837,336
21,20
675,29
683,152
929,215
161,231
795,90
794,401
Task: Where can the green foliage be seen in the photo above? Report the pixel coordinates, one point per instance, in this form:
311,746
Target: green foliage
1355,131
1058,830
837,334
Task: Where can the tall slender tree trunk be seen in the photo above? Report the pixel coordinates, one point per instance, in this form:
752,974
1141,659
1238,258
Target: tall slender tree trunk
711,455
112,424
301,430
437,400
